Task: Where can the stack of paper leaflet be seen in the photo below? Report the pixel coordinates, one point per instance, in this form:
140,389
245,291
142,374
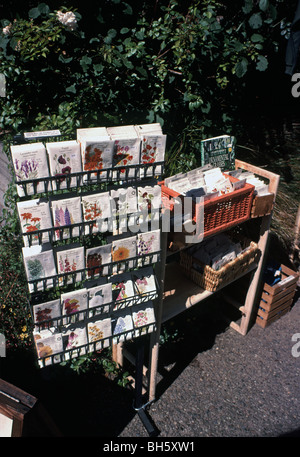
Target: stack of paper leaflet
219,260
217,252
206,182
261,188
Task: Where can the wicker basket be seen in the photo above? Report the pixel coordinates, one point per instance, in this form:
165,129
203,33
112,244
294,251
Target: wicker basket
212,280
220,213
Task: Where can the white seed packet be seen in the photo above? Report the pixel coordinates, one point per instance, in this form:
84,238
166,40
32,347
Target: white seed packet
99,333
99,297
124,200
126,153
91,132
148,243
34,215
96,207
98,260
143,319
64,159
69,261
122,328
97,155
149,201
74,338
43,313
66,212
239,184
122,131
39,263
48,345
72,303
212,176
181,186
123,203
122,250
30,162
148,129
144,281
152,150
122,291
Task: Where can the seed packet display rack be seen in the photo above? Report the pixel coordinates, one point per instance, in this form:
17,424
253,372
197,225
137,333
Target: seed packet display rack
96,181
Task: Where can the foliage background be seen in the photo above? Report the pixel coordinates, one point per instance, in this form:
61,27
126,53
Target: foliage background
200,68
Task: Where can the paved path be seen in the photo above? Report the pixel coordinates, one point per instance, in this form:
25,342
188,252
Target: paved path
221,384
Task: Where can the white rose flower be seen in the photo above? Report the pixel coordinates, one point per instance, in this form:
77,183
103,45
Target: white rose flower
68,19
6,30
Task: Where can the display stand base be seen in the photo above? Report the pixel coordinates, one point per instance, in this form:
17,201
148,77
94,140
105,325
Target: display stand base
148,423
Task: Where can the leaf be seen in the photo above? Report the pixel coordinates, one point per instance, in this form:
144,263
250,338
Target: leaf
33,13
264,4
110,35
127,9
71,89
43,8
98,68
248,6
85,61
256,37
241,68
124,30
262,63
255,21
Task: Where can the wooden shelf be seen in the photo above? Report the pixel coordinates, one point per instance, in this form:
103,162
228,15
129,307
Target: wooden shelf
180,293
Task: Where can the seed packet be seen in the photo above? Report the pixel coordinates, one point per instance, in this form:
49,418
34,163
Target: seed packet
144,281
148,243
99,332
149,202
30,162
39,264
66,212
122,131
98,261
148,129
43,314
72,303
74,337
122,250
143,319
70,261
91,132
152,150
126,153
123,202
122,291
64,158
48,345
126,150
34,215
122,327
99,298
96,207
97,154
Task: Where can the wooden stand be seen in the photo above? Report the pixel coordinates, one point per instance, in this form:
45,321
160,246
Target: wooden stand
22,414
180,293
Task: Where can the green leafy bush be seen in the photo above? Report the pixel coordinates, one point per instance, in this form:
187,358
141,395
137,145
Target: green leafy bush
185,65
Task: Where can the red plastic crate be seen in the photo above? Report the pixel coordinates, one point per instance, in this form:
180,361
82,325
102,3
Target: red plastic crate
220,213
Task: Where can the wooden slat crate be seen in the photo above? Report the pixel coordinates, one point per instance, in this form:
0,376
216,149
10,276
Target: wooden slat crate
277,300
